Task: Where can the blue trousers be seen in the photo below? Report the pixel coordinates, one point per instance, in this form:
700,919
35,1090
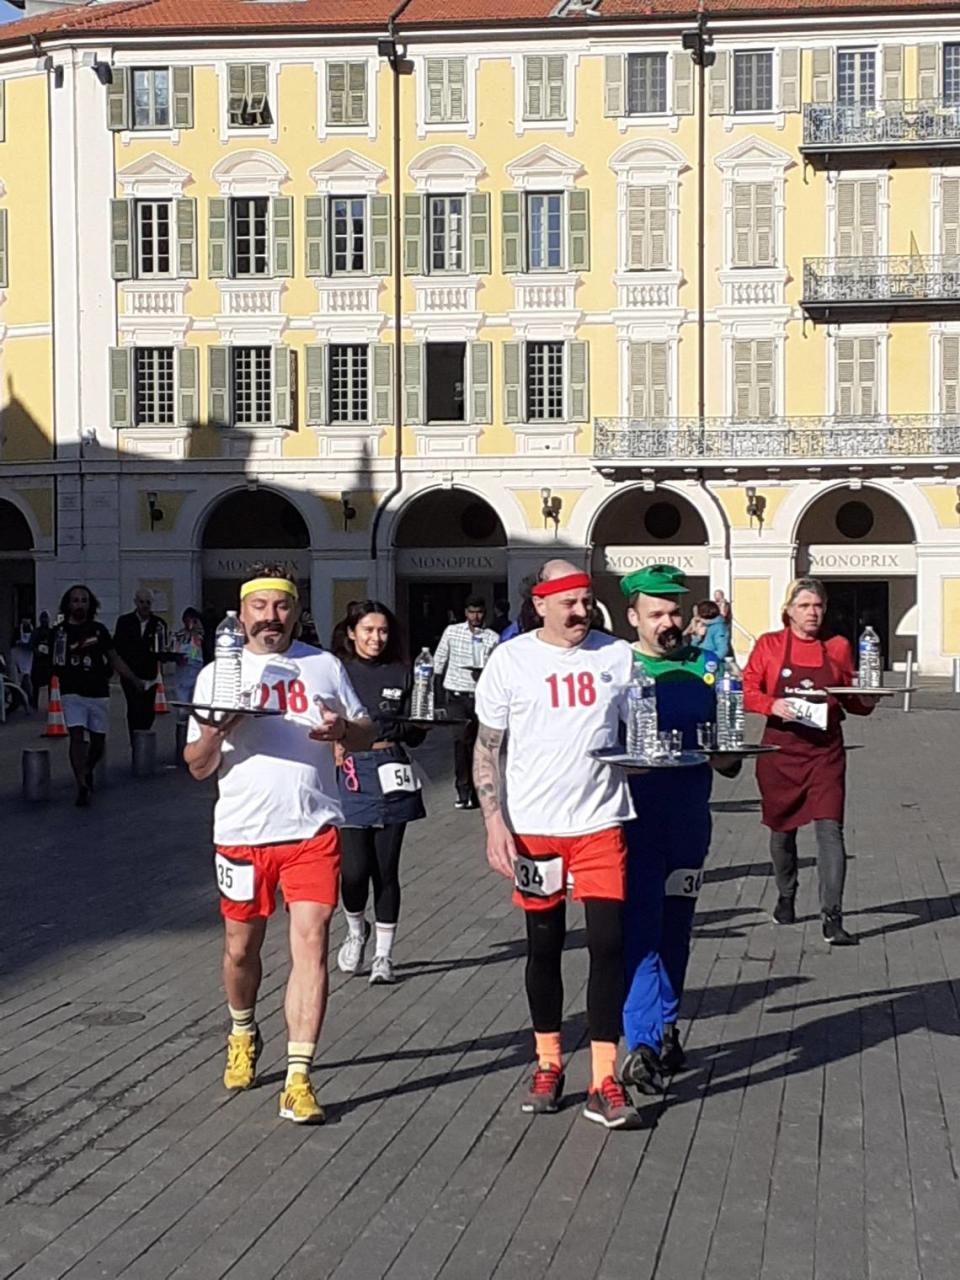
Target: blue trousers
664,871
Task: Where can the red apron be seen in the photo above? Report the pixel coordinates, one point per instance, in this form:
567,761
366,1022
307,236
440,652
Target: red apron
805,779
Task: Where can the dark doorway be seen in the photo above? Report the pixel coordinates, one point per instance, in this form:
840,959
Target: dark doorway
854,605
432,606
246,526
445,377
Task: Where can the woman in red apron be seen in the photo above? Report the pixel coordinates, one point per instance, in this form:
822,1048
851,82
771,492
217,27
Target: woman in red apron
804,781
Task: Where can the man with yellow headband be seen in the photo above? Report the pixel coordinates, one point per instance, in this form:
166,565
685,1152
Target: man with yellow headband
275,823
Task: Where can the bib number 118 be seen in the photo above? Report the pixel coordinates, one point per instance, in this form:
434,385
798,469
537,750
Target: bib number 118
575,689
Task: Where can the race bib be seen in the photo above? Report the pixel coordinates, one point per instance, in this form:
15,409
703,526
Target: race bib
397,777
685,882
539,877
234,879
812,714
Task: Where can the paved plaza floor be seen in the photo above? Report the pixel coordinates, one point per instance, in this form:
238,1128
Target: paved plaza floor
816,1135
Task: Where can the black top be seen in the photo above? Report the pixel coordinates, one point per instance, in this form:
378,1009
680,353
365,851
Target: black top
88,668
139,645
384,689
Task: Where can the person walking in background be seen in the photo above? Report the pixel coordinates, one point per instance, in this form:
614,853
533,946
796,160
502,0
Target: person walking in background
42,658
709,629
139,638
378,789
187,650
461,655
21,658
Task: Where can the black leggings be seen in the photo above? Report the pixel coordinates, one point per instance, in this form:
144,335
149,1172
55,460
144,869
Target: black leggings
546,931
372,854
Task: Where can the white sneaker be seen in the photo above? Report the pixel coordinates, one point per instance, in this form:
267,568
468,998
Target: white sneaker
350,955
381,970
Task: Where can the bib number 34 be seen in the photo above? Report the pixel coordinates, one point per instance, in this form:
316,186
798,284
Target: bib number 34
539,877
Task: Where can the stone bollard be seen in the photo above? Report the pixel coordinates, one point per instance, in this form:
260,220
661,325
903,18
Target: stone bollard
35,767
956,675
179,743
144,753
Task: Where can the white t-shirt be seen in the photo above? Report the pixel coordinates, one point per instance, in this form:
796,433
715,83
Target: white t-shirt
556,705
276,785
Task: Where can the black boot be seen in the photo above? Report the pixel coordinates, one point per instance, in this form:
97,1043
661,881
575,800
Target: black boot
834,932
785,912
643,1069
672,1057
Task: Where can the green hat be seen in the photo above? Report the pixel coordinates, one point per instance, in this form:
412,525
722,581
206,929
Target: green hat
655,580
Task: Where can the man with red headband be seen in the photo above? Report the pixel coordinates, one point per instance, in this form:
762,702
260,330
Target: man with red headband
552,695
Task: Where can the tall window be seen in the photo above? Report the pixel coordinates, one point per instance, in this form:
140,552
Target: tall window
446,232
647,228
545,231
544,381
753,81
154,403
856,371
151,98
649,380
646,84
249,104
545,87
349,384
753,378
753,225
251,245
348,233
951,74
446,90
346,93
856,78
445,370
857,204
252,386
154,238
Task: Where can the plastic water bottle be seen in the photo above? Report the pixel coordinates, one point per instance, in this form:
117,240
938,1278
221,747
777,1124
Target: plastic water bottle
871,676
642,724
730,707
421,698
227,661
60,648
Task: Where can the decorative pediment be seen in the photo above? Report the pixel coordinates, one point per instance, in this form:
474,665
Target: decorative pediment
154,175
545,167
648,157
446,168
250,173
754,155
347,173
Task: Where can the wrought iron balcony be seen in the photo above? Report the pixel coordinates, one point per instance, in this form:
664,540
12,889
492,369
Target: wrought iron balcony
919,284
900,124
801,441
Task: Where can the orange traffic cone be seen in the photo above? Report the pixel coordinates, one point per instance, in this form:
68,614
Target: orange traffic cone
160,707
56,725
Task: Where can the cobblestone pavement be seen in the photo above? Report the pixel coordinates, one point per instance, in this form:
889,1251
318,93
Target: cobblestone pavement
814,1138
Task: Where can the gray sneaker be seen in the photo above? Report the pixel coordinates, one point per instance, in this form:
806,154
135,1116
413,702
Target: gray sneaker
381,971
350,955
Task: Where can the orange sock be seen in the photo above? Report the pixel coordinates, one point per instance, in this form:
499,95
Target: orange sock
604,1058
548,1048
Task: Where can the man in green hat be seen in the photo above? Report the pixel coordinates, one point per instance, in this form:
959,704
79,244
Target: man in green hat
668,843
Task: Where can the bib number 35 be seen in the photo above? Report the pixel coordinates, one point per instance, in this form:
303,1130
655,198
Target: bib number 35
234,879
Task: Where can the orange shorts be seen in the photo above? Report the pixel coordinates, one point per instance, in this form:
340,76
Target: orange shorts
306,871
597,862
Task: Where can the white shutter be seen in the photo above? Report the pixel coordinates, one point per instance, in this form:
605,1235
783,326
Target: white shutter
754,378
649,389
857,204
743,224
856,377
556,92
753,224
647,228
950,373
950,216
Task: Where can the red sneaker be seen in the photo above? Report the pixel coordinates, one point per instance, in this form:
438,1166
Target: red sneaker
545,1090
610,1107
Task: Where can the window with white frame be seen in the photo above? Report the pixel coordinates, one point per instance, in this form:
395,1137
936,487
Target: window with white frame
754,378
545,230
248,101
857,205
154,239
545,87
154,387
252,386
150,92
951,75
950,222
446,233
856,77
348,234
753,80
250,226
349,383
856,362
753,225
544,379
950,373
646,84
446,90
649,379
347,97
648,228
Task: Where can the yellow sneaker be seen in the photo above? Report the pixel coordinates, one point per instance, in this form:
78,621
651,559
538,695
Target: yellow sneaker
299,1103
242,1054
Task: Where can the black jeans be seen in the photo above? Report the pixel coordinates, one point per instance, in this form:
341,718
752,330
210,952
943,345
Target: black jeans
831,862
464,740
140,704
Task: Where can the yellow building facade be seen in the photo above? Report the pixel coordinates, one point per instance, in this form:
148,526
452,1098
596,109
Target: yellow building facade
637,322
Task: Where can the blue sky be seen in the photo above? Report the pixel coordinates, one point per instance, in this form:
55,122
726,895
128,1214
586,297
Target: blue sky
8,13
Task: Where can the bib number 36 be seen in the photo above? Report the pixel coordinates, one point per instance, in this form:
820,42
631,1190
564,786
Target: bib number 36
539,877
234,879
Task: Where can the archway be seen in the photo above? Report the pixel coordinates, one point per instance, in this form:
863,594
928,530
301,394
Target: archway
18,583
862,543
450,544
245,526
638,527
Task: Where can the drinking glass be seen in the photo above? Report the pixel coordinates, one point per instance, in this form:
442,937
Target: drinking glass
676,743
707,736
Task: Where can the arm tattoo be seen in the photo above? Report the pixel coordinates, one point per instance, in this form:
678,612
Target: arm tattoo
486,769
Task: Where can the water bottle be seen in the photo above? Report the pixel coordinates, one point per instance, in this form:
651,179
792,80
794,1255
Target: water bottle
642,724
730,708
421,699
60,648
869,648
227,661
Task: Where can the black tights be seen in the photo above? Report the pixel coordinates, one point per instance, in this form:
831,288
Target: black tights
372,854
546,931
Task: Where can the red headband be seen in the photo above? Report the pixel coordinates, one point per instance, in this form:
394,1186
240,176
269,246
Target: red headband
572,582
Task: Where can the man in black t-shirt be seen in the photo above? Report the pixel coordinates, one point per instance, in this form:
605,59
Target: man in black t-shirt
83,661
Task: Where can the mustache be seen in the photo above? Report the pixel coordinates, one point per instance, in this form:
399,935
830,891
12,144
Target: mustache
670,638
257,627
577,622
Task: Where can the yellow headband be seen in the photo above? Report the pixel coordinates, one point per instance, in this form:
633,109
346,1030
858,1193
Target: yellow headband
269,584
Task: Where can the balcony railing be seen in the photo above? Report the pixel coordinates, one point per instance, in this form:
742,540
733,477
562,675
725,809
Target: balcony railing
798,440
899,123
908,282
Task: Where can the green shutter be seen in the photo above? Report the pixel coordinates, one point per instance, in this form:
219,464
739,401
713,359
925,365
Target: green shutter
435,91
578,231
186,237
534,75
357,93
577,371
556,100
121,239
121,387
412,383
316,368
258,87
315,235
218,237
456,98
718,93
682,83
281,223
4,249
512,381
480,355
282,387
381,234
336,93
238,82
412,235
479,203
188,386
614,102
118,100
511,230
219,399
381,354
182,78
